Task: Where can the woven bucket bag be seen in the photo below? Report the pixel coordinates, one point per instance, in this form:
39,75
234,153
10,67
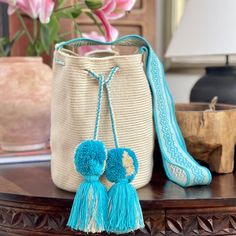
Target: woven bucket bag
74,107
141,101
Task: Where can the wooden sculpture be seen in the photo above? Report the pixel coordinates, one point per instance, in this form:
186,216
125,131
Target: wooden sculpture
210,133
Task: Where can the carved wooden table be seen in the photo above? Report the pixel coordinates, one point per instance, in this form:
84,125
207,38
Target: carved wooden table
31,205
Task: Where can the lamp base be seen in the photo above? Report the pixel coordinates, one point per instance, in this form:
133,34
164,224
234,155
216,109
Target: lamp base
218,81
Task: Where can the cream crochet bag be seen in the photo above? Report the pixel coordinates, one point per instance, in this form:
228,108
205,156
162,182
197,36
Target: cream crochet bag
74,109
74,104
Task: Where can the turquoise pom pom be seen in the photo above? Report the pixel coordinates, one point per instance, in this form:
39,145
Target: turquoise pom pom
90,156
124,210
121,164
89,210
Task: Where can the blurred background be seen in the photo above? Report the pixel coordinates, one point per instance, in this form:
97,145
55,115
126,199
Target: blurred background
156,20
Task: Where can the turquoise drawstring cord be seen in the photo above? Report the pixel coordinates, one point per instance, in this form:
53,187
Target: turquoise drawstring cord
106,82
112,116
101,80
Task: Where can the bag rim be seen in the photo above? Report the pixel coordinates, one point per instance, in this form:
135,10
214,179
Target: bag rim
62,53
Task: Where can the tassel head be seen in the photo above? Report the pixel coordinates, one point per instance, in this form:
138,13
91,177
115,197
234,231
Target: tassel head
90,157
121,165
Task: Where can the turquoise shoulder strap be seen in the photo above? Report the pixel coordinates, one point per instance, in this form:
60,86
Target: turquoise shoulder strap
180,167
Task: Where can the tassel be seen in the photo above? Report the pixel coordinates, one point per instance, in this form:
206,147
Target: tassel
89,210
124,210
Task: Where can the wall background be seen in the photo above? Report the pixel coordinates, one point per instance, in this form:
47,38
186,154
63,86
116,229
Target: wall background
181,81
3,20
180,85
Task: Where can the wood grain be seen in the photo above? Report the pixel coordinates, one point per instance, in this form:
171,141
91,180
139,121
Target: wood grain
210,135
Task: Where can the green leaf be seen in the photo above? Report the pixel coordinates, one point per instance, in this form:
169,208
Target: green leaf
35,49
54,28
4,41
45,38
30,49
38,48
5,47
49,34
6,44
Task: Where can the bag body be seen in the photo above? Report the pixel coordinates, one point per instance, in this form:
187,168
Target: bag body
138,98
74,104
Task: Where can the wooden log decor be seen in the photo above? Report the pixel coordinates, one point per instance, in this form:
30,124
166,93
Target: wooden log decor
210,134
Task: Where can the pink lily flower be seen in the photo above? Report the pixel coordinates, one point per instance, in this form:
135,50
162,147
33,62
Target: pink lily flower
115,9
34,8
95,36
125,5
111,10
46,9
31,8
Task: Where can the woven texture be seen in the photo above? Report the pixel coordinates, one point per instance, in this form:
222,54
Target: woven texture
74,107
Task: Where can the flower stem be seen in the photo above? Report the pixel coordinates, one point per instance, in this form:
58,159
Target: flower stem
81,4
35,30
24,27
63,8
90,14
77,29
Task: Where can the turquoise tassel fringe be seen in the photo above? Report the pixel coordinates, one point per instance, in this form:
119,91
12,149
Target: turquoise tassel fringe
89,210
124,210
124,213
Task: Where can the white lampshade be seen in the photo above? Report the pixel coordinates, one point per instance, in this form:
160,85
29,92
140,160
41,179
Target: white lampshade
208,27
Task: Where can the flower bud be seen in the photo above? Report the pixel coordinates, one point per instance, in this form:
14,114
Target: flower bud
94,4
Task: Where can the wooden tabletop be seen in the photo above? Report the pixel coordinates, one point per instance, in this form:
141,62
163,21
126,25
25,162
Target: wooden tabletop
33,180
30,204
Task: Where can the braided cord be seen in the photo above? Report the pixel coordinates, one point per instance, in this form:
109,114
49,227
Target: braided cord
112,116
100,92
103,82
